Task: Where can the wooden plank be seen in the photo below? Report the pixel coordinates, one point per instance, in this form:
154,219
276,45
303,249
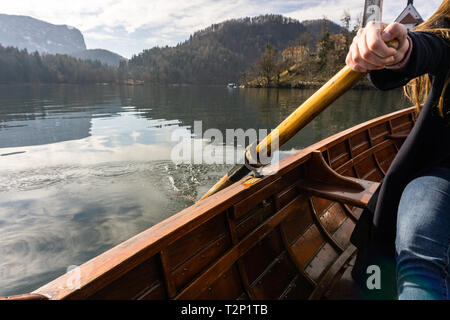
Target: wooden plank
402,123
257,259
384,157
331,273
379,132
197,263
274,281
298,289
167,271
343,233
253,219
367,169
288,244
285,196
246,205
155,292
321,261
360,142
27,296
227,286
320,205
307,245
368,153
297,222
133,284
332,219
337,138
196,240
227,260
234,239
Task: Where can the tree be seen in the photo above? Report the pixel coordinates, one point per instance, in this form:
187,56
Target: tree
357,24
305,39
267,65
323,49
345,19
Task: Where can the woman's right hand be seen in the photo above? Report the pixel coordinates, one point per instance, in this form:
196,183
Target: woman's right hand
369,50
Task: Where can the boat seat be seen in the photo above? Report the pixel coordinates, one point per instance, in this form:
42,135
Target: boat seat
322,181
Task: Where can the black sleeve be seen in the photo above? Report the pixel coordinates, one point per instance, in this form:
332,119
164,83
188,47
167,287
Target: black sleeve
429,54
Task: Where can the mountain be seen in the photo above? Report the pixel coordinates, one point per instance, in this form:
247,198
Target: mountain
220,53
35,35
104,56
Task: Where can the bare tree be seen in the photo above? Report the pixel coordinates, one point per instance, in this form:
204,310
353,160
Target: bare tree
267,65
345,19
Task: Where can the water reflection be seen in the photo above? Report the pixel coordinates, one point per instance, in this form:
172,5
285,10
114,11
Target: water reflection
83,168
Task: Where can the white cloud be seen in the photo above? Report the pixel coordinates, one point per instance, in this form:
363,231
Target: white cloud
99,36
126,27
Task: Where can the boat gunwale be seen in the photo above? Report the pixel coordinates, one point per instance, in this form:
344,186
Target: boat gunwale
110,265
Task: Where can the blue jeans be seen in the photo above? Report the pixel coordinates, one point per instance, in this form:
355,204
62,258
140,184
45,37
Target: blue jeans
423,238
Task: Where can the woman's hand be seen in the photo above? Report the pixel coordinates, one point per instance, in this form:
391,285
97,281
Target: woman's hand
369,50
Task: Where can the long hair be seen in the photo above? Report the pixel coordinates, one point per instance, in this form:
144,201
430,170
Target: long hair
417,89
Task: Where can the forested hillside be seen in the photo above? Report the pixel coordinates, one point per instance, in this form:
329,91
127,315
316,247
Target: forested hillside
19,66
104,56
223,52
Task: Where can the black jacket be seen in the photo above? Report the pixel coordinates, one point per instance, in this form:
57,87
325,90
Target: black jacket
427,146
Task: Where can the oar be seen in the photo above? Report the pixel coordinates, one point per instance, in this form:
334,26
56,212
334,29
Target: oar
298,119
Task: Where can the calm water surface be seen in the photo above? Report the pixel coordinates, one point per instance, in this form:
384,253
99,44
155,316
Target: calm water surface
83,168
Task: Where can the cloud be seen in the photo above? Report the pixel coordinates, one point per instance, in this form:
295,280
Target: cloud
99,36
128,27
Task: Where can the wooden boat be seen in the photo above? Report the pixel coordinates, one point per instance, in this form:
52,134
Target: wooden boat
283,236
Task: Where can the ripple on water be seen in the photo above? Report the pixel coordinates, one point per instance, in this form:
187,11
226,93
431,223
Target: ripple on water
54,217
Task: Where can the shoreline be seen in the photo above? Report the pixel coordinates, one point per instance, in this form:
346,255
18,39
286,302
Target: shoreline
362,85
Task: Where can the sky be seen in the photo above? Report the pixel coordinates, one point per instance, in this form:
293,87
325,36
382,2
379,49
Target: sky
129,26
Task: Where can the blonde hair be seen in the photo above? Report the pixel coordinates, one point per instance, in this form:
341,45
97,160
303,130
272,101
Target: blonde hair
417,90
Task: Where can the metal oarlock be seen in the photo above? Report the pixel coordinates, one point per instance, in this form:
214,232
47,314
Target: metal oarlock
253,161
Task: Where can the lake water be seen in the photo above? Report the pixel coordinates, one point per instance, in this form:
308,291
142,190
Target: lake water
83,168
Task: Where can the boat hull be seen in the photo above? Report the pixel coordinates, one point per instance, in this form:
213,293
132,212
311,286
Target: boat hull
285,236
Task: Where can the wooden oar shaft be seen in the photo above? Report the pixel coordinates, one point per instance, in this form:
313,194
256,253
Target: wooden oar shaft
221,184
234,175
309,109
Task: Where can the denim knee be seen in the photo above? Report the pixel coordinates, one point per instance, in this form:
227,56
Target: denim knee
422,241
423,214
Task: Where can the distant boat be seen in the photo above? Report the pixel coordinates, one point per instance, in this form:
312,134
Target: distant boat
232,85
131,82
